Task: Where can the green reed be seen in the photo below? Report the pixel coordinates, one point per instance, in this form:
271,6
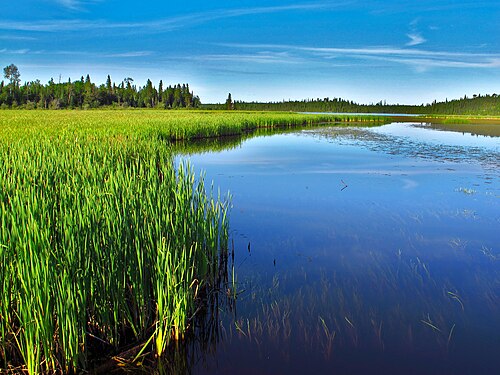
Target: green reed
103,243
165,125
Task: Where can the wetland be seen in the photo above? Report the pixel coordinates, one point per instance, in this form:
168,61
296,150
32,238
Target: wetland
309,242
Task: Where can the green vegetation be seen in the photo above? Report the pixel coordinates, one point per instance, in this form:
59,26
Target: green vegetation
217,144
103,243
157,124
86,94
486,105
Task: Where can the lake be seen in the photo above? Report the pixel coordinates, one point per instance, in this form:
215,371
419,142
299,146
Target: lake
356,250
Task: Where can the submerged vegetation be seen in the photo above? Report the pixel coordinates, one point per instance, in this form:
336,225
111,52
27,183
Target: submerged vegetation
330,284
332,315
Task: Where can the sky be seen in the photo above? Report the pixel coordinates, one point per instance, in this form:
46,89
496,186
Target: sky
409,52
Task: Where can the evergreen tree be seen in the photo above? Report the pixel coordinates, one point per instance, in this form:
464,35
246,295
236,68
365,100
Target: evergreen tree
148,94
160,91
108,84
229,102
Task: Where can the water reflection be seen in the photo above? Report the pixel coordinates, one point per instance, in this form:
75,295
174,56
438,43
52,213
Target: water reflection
358,249
421,141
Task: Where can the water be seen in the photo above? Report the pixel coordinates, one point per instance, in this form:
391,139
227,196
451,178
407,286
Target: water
359,249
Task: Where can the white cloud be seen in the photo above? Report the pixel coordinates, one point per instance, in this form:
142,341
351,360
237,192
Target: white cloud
415,39
429,63
419,59
14,51
126,54
48,26
129,54
370,50
16,37
75,5
70,4
160,25
415,36
263,57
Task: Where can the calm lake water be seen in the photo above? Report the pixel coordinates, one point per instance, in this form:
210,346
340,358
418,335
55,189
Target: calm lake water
357,250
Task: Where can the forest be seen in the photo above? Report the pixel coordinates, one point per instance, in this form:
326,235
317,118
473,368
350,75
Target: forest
86,94
482,105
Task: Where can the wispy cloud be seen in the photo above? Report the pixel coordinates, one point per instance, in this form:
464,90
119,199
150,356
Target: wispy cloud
70,4
6,51
412,7
419,59
424,64
161,25
262,57
240,72
75,5
370,50
415,36
93,54
50,26
415,39
16,37
129,54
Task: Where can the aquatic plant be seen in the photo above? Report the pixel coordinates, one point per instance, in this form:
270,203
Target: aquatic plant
158,124
103,242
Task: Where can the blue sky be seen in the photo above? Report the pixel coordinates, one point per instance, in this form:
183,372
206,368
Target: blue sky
399,51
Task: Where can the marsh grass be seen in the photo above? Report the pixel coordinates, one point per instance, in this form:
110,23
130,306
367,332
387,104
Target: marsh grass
158,124
103,243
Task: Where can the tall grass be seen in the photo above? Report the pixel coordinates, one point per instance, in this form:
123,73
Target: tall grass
102,243
165,125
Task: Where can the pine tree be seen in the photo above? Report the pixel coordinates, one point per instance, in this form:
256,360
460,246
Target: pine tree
229,102
108,84
160,91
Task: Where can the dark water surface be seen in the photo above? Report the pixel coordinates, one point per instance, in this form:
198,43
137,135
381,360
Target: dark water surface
359,250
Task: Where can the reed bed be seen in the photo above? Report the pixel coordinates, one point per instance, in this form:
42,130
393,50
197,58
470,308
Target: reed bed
103,242
164,125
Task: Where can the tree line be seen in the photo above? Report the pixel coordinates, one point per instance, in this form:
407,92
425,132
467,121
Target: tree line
84,93
475,105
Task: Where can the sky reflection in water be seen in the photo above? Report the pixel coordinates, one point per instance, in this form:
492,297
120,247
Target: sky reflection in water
368,247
